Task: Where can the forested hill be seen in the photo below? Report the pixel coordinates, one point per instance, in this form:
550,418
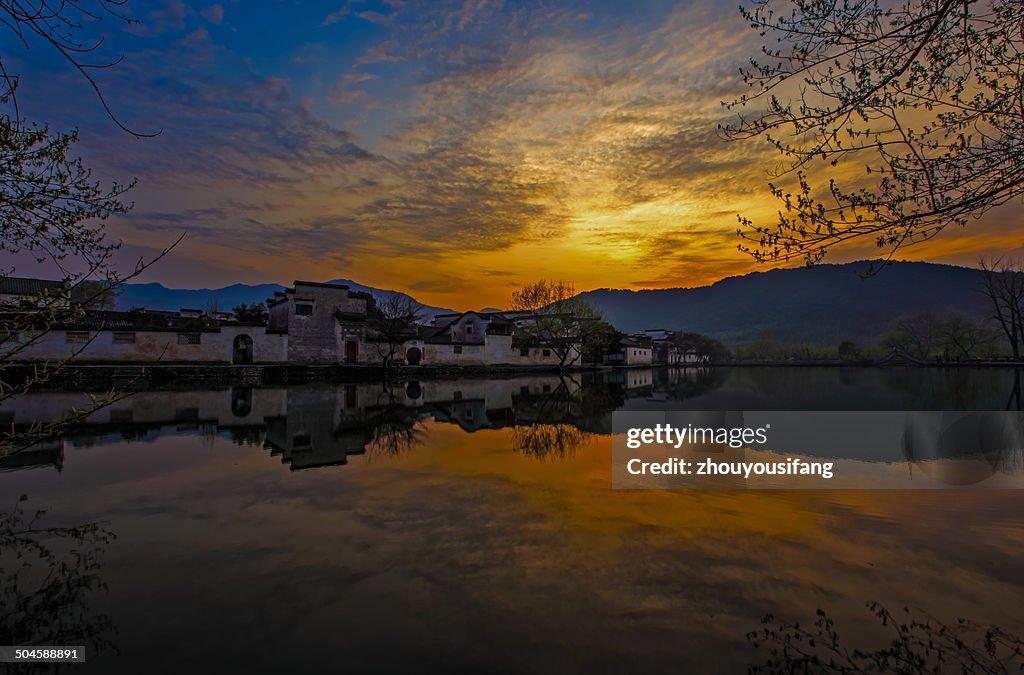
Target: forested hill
822,305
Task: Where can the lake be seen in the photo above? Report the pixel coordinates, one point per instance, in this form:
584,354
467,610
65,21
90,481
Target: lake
470,526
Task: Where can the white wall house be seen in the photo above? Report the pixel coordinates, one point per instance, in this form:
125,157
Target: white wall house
224,343
479,339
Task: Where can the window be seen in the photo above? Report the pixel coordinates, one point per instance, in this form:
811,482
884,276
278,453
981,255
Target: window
457,349
457,396
469,329
190,338
78,336
525,351
547,352
304,308
124,338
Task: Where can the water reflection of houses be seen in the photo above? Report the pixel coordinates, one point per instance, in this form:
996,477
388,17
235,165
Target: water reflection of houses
307,427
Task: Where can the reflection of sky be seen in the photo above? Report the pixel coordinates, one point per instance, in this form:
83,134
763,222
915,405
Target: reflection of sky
426,145
465,553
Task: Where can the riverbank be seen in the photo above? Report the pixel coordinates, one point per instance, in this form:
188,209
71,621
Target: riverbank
121,375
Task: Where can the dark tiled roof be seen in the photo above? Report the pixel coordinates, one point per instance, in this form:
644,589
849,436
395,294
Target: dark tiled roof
632,341
21,286
128,321
435,335
317,284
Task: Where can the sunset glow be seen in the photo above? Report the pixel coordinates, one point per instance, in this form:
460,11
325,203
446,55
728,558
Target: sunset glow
453,150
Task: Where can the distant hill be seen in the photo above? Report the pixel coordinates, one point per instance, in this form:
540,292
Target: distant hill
823,305
158,296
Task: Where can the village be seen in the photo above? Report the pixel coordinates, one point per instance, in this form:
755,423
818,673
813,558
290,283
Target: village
314,323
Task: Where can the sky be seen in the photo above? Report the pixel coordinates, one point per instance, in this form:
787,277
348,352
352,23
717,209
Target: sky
452,149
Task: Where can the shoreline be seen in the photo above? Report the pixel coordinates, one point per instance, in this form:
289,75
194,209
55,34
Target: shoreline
121,374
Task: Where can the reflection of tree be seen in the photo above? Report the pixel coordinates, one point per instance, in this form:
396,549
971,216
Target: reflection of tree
391,439
548,441
394,429
551,425
920,644
1013,402
46,577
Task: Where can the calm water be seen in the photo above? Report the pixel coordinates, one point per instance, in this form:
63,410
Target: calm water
469,525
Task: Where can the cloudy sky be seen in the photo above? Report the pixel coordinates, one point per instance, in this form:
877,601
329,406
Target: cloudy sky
449,148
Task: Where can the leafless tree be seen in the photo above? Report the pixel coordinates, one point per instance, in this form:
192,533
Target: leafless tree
963,337
72,29
917,334
391,323
1004,288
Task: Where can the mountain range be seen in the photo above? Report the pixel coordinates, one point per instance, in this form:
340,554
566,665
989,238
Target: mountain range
822,305
158,296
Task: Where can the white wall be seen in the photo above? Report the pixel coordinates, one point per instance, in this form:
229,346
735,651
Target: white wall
152,345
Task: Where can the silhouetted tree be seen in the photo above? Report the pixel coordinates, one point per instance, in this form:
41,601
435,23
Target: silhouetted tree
919,644
559,319
51,208
254,313
391,323
598,340
1004,288
74,29
926,94
963,337
917,335
848,351
706,348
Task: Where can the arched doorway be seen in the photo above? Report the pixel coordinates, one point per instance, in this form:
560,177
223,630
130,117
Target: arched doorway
242,349
413,356
241,401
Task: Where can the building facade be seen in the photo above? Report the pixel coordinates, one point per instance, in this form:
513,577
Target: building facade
309,323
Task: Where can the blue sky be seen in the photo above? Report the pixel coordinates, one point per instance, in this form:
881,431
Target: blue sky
452,149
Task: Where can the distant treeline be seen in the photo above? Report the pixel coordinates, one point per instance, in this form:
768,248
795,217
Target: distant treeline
925,336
